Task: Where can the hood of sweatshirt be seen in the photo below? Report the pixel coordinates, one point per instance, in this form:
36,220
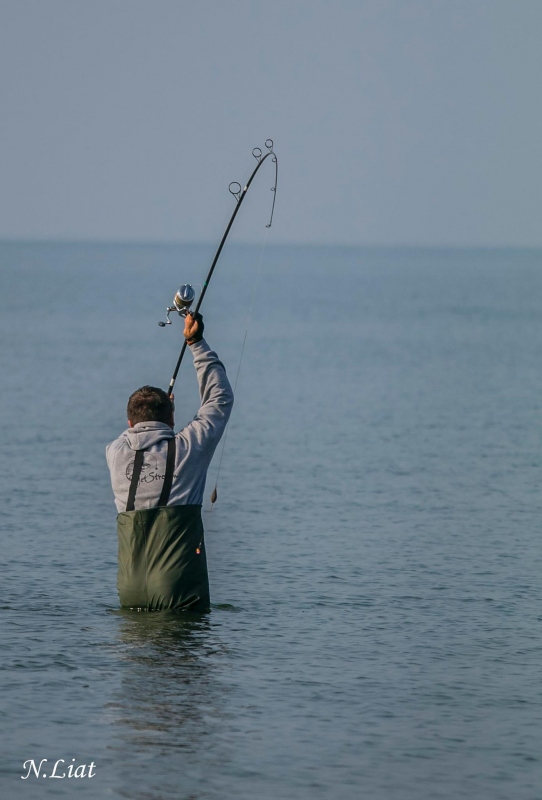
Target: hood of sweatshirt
146,434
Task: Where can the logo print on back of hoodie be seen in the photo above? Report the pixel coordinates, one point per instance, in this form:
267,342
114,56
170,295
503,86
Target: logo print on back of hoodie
149,470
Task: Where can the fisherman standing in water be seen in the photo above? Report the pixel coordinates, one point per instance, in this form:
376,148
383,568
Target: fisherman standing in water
158,479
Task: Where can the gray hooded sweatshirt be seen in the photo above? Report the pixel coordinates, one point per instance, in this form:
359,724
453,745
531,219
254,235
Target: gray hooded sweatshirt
195,445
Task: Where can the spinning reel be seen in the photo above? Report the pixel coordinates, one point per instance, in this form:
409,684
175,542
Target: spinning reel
184,297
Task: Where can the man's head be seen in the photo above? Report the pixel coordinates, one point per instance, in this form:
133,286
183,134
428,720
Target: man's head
150,404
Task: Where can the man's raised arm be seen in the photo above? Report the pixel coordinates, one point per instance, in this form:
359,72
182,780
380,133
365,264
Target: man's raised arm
215,390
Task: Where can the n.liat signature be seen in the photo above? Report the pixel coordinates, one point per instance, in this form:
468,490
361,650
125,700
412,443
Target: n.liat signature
59,769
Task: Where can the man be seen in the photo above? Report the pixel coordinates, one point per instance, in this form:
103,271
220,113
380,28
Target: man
158,479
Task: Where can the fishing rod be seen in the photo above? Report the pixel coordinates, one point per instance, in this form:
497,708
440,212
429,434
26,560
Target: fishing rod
185,296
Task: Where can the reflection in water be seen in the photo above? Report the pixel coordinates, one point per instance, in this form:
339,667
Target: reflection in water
170,706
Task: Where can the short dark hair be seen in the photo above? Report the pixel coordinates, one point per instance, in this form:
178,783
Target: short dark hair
149,404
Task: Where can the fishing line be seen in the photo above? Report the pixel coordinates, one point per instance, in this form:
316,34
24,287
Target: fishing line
255,287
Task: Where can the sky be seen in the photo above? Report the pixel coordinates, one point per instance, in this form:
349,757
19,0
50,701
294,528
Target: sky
395,122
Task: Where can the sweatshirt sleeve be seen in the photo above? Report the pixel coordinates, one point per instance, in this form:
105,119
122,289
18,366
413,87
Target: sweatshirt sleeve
216,396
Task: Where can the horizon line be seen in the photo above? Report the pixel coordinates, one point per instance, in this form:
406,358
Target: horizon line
312,244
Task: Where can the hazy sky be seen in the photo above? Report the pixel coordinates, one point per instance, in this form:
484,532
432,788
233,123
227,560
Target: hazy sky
395,121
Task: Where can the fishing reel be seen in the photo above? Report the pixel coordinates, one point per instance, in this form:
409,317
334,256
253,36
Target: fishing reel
184,297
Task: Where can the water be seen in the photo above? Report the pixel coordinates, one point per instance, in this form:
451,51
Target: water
374,554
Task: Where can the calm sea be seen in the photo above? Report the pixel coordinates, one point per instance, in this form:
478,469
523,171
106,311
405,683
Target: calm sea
374,554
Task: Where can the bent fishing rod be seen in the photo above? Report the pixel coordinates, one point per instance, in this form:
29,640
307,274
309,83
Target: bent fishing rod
185,296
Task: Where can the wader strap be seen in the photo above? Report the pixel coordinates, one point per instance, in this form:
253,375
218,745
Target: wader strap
168,477
138,464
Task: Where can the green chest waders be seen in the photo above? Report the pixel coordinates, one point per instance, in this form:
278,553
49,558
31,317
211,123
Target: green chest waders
162,563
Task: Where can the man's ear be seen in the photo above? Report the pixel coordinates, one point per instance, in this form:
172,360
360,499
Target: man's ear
130,423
